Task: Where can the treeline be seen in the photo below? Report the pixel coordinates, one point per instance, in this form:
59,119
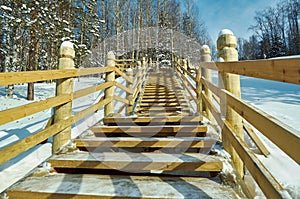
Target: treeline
276,33
32,30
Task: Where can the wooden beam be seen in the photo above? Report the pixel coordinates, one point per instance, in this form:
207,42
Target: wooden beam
196,142
86,91
137,161
93,71
35,76
13,114
124,75
254,137
124,88
113,186
164,114
120,99
285,137
152,120
282,70
21,146
267,183
163,104
149,129
82,114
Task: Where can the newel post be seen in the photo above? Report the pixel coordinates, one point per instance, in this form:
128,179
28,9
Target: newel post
226,45
64,86
206,73
110,77
129,96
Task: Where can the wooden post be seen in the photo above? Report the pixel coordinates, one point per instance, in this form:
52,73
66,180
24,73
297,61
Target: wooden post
199,91
206,73
110,77
129,110
144,66
226,45
184,66
64,86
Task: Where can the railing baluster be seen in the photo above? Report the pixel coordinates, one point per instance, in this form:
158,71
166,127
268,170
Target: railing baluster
64,86
110,77
226,45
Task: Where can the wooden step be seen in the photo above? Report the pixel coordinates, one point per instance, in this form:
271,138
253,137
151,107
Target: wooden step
80,186
164,97
137,161
163,93
190,142
164,114
121,121
150,130
172,104
159,109
162,100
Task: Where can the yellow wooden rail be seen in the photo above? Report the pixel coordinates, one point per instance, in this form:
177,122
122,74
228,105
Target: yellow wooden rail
282,70
285,137
13,114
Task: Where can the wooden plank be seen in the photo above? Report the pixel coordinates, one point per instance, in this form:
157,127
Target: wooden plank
163,97
87,186
163,104
80,115
86,91
124,88
124,75
137,161
124,60
164,114
254,137
17,169
160,120
161,100
149,129
208,65
120,99
195,142
35,76
21,146
93,71
283,70
267,183
285,137
216,114
13,114
164,109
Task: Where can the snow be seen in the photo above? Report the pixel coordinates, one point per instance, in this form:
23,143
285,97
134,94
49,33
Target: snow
225,32
280,100
6,8
67,44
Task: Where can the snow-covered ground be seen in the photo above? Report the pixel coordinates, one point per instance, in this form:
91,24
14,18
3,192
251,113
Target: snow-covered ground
280,100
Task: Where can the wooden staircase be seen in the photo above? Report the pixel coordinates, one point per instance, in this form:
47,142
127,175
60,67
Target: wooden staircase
151,155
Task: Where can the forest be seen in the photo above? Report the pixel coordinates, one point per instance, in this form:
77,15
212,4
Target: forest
32,30
275,33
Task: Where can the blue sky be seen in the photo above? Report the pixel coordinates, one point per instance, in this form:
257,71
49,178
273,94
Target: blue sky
236,15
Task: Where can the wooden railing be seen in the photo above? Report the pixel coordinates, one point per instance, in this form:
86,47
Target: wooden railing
60,128
227,95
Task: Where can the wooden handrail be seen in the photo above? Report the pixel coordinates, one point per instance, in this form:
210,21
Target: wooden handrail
8,78
13,114
282,70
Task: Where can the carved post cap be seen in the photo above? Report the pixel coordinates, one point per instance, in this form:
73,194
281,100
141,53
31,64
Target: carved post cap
67,50
205,49
110,61
226,38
